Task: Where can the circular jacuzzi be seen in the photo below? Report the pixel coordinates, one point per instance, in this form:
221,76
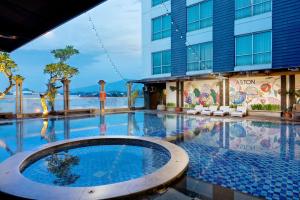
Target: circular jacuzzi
93,168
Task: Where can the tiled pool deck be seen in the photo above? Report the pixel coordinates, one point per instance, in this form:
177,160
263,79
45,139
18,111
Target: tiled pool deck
254,156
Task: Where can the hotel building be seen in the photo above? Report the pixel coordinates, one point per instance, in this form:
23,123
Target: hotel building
220,52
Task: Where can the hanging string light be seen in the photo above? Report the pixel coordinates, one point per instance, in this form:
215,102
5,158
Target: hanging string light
114,66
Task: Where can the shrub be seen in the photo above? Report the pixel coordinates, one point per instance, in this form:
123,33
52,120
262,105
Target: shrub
171,105
269,107
189,106
234,106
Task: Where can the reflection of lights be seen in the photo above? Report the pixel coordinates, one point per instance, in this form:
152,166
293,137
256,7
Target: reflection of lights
37,110
2,144
44,129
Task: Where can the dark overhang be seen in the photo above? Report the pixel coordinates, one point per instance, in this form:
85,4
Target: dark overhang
24,20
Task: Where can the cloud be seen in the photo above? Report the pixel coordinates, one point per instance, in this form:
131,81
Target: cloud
119,25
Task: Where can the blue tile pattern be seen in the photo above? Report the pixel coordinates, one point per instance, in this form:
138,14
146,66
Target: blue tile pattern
261,176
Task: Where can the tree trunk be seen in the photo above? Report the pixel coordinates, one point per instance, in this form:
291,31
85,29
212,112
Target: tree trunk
6,91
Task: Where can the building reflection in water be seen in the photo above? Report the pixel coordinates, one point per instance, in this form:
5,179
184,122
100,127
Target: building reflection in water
219,139
60,165
248,136
48,131
102,125
20,135
67,128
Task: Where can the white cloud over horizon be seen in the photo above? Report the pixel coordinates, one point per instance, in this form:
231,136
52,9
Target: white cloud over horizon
119,25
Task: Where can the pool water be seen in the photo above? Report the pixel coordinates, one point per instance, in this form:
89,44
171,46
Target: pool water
97,165
260,158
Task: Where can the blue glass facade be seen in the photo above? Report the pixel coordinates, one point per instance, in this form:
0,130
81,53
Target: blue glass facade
254,49
244,33
161,27
161,62
199,15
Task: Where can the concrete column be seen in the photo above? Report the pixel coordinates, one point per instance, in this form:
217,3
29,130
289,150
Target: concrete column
146,97
226,90
177,94
292,85
287,86
66,88
181,94
102,96
19,98
283,93
221,92
129,87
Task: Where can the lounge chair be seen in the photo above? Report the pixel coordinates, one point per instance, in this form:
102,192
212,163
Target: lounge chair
210,110
241,111
296,111
196,110
224,110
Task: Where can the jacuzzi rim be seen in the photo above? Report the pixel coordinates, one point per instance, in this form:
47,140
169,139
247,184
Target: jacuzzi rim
13,182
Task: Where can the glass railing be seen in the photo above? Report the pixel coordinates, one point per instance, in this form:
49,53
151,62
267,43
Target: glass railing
31,103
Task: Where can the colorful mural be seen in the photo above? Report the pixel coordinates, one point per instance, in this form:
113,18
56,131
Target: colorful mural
204,92
205,131
257,137
255,90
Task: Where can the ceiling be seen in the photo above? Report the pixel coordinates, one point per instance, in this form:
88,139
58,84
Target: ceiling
23,20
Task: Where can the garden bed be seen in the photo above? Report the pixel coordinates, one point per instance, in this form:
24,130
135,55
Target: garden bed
264,113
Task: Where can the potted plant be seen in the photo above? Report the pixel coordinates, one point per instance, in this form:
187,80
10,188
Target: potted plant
287,114
171,107
178,109
161,105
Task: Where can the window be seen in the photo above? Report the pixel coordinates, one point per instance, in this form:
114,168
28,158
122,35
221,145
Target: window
157,2
161,27
199,16
161,62
247,8
199,56
254,49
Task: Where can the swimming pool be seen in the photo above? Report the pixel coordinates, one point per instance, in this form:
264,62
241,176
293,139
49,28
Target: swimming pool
97,165
260,158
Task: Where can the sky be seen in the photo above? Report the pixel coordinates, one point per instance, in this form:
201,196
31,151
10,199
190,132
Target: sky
119,25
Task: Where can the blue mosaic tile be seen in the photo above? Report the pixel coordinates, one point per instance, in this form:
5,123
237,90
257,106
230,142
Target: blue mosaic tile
258,175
